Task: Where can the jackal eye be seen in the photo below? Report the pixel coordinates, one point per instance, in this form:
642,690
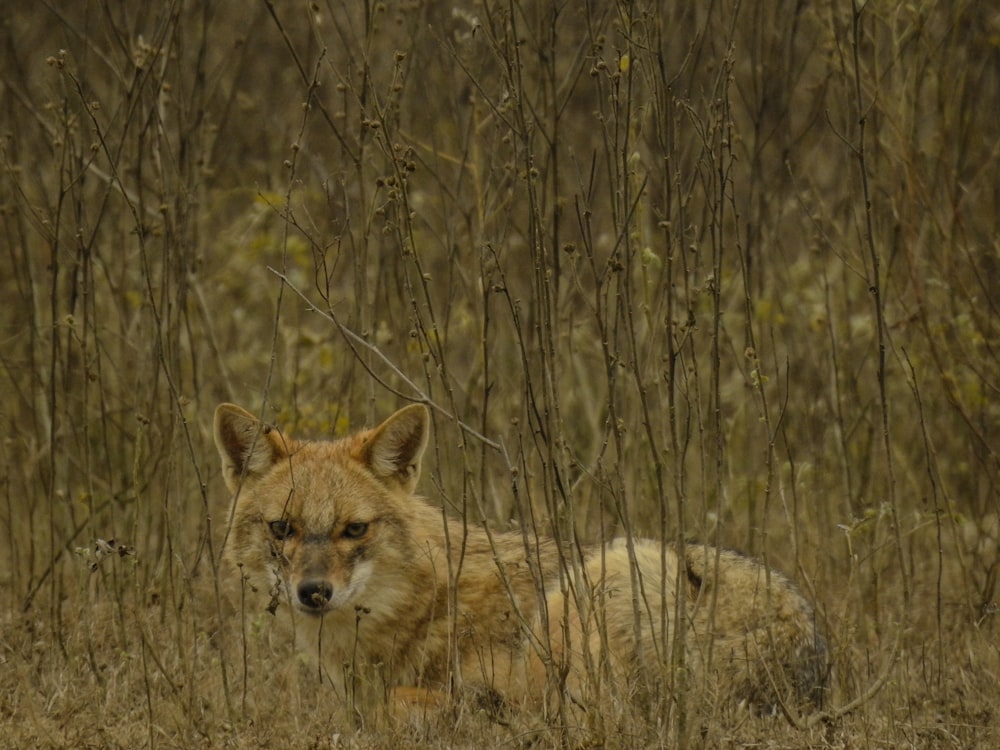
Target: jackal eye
355,530
281,529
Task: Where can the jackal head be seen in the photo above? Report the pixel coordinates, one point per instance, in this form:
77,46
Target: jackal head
326,518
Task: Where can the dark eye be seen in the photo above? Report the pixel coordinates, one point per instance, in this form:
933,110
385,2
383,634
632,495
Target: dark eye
355,530
281,529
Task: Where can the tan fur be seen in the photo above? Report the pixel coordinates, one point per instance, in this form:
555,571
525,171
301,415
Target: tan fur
401,600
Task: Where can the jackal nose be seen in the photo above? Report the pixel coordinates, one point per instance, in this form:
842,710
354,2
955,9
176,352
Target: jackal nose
315,594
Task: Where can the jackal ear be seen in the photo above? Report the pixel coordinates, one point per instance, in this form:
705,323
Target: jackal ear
393,449
247,447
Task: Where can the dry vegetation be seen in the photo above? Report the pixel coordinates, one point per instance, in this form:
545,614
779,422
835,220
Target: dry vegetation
726,271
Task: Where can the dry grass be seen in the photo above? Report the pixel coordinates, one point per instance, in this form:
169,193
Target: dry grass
728,272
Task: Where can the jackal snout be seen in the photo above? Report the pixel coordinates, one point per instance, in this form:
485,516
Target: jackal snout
314,595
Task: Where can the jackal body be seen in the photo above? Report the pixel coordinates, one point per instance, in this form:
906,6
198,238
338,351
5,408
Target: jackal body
398,597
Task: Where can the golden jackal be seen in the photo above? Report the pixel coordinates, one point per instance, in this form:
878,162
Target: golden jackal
406,604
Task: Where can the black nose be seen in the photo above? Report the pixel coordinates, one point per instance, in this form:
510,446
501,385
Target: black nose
315,594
